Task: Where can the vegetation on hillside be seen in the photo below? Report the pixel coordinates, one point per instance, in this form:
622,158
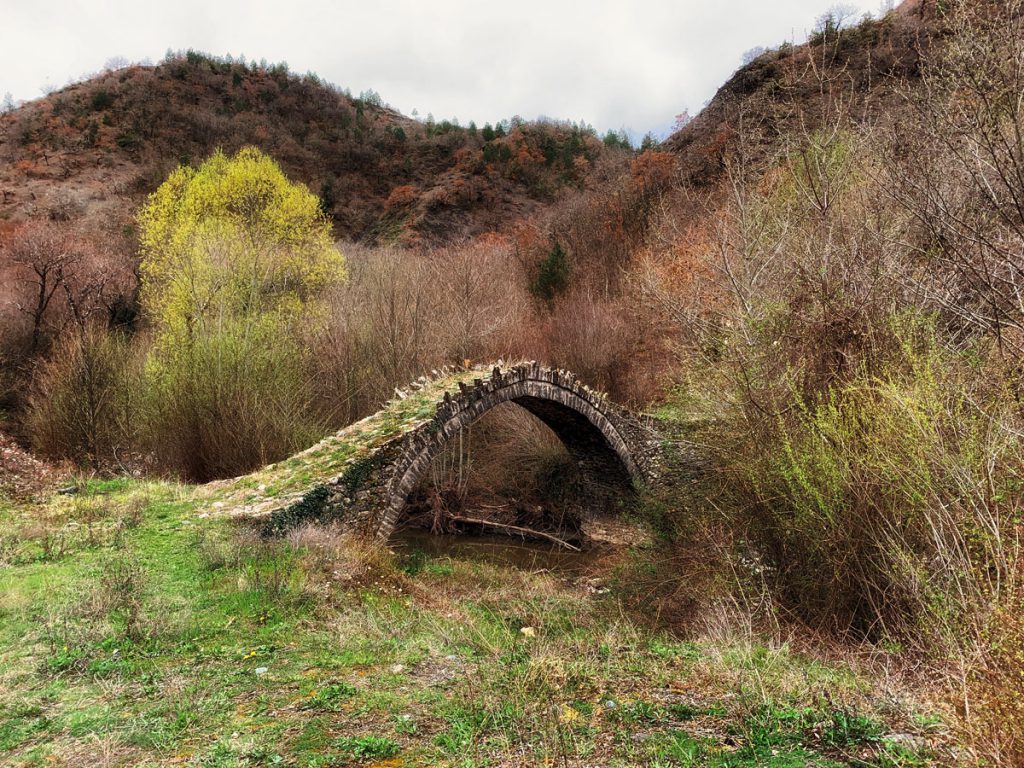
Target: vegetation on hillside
849,315
380,176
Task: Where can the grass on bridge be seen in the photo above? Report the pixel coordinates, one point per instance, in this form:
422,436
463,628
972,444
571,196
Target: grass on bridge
276,485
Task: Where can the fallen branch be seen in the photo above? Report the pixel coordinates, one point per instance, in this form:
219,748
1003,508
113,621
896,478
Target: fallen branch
515,528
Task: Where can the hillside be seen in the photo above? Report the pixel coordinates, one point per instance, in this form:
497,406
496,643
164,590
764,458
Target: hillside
844,72
94,149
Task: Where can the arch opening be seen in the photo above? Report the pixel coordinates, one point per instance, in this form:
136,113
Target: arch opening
528,466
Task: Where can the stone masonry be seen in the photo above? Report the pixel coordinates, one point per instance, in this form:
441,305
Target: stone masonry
613,446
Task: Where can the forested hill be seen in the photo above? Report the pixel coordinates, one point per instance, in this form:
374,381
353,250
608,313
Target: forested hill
92,150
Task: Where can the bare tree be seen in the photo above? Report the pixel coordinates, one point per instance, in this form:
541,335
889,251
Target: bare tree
479,297
837,17
753,54
115,63
958,170
62,277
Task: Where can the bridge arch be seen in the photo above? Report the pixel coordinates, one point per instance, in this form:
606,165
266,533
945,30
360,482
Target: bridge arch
388,454
588,425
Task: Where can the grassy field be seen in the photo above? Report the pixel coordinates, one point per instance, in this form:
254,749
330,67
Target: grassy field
134,631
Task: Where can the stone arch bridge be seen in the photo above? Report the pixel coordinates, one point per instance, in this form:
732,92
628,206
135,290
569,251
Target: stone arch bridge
364,474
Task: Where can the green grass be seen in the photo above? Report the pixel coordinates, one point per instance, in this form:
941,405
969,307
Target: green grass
218,649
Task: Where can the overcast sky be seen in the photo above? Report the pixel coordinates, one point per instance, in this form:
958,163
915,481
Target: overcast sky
621,64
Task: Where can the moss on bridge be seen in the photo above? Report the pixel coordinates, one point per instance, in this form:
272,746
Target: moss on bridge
276,486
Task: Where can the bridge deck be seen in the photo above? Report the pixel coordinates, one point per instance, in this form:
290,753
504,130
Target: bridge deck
363,474
277,485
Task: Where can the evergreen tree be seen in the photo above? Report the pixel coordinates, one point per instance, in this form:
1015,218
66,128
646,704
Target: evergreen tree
552,276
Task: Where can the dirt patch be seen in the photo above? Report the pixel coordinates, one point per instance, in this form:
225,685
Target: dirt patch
22,475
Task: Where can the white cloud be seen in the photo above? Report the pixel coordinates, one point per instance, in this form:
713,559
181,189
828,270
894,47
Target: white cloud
613,64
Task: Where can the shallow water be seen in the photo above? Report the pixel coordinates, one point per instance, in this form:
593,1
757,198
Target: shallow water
498,550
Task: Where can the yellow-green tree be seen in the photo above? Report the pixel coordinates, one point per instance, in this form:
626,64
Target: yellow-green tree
235,258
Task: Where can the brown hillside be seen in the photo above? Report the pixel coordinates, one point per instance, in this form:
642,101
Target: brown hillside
93,149
853,69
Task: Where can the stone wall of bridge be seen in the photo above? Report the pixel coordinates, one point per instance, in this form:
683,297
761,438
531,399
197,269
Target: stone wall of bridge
614,447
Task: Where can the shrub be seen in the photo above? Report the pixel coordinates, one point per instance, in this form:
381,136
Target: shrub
82,401
327,199
233,400
120,595
235,260
128,140
887,502
591,337
366,747
401,197
378,331
995,687
101,99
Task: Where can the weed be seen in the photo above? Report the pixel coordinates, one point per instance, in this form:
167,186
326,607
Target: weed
329,697
366,747
120,595
843,729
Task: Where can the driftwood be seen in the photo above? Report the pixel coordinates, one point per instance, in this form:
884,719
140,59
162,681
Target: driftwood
515,529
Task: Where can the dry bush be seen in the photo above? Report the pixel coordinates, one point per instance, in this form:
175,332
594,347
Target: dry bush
508,467
857,464
378,334
401,196
54,542
82,403
481,302
115,605
9,544
591,338
60,277
85,522
58,280
992,706
14,341
957,169
218,551
65,206
608,342
120,595
514,452
403,313
334,556
131,513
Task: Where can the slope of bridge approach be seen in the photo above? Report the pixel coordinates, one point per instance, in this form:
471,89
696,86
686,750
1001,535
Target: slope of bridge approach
363,474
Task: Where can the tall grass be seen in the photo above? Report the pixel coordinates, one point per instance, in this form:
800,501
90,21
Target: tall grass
891,502
233,400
